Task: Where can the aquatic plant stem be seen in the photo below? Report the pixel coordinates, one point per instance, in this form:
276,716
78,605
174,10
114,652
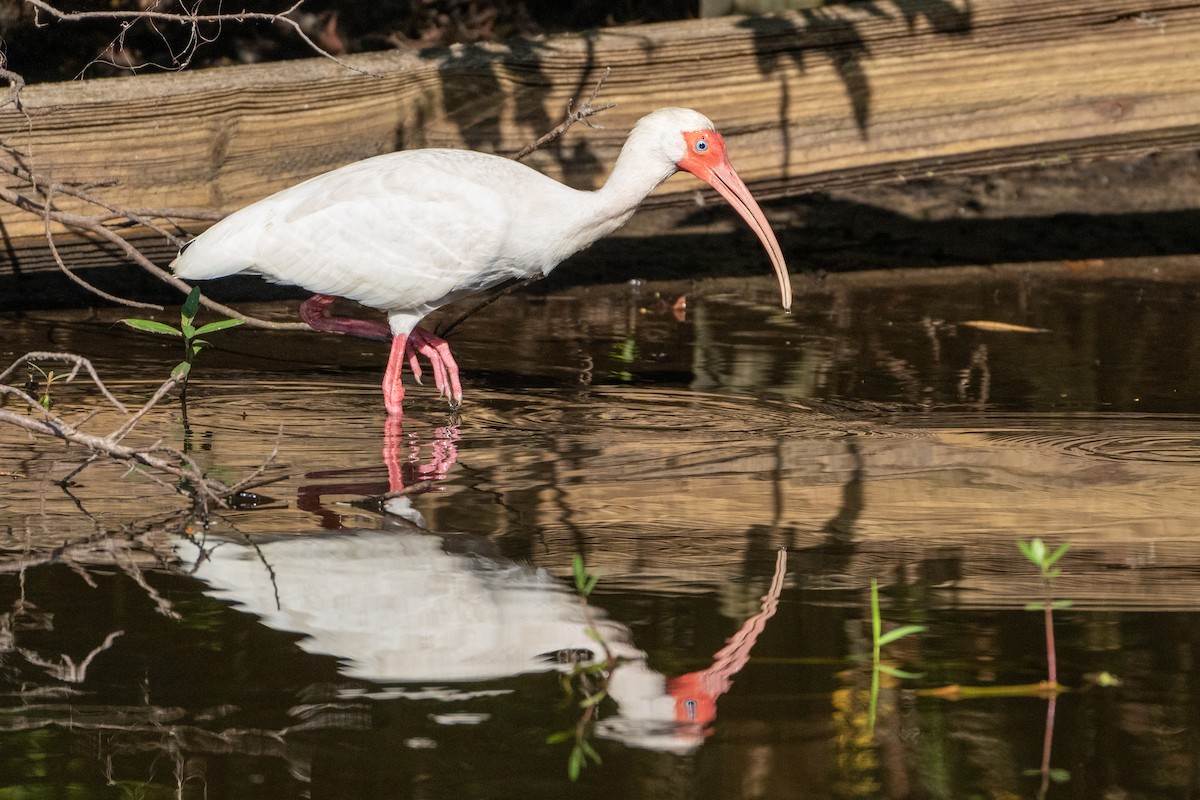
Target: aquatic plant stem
1051,656
1047,740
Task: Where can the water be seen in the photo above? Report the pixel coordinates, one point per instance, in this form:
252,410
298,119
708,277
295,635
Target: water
324,643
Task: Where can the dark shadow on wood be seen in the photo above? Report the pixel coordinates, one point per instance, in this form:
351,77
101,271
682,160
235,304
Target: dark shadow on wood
777,38
833,235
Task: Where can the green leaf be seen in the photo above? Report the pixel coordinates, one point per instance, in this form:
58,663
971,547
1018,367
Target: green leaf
191,306
221,325
1062,604
560,737
579,572
1035,606
593,699
181,370
1037,551
897,633
1059,775
1058,553
150,326
590,751
592,580
575,763
189,331
1056,775
899,673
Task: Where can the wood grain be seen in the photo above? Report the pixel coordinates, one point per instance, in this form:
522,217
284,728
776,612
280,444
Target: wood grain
850,95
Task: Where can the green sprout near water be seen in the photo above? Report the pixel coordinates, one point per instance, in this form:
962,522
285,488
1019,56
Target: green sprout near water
588,681
42,389
1036,551
878,640
188,334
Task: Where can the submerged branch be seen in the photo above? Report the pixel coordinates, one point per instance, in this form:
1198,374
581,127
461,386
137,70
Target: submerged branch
42,420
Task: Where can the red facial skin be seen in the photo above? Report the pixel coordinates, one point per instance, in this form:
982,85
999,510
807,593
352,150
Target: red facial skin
708,160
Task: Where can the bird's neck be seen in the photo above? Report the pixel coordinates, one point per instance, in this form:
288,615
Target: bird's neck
638,172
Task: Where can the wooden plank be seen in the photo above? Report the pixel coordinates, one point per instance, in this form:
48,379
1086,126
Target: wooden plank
840,96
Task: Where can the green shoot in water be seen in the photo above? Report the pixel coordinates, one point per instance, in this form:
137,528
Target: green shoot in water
878,640
42,389
1040,556
188,334
588,681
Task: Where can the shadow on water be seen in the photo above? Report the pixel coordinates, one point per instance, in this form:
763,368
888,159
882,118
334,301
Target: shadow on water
398,617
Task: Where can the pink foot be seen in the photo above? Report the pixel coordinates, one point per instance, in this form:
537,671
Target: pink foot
406,348
445,370
315,312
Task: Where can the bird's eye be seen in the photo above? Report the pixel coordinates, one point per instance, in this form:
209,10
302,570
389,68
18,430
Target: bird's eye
701,146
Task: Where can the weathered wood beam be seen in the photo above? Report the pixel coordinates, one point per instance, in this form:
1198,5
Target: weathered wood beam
837,96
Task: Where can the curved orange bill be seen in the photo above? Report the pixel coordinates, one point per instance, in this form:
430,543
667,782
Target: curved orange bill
725,180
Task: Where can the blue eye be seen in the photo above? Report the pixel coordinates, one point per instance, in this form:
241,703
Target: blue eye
701,146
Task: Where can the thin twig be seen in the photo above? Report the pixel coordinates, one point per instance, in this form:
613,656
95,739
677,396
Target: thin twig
89,224
129,18
62,265
48,423
580,114
503,290
78,362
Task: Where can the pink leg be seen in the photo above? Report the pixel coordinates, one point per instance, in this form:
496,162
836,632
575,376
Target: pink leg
315,312
393,389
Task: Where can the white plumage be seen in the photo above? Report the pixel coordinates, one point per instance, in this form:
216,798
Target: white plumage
411,231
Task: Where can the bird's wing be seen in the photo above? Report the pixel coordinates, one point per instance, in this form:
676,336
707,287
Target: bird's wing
402,231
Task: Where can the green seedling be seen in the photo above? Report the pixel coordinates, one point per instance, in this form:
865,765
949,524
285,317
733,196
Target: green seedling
42,387
878,640
1038,554
588,682
189,334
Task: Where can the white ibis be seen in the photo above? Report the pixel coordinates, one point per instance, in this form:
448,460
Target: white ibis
411,231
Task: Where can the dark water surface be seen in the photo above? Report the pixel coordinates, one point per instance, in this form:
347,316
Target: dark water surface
902,428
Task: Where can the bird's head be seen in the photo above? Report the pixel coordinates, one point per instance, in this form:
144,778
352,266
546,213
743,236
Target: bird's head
690,141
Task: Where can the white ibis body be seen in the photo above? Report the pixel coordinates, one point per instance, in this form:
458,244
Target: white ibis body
411,231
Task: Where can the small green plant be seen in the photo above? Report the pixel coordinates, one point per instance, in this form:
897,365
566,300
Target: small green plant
878,640
189,334
585,581
1036,551
42,387
587,681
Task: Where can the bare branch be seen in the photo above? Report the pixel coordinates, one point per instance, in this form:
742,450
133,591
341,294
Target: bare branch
94,225
193,20
15,84
62,265
48,423
580,114
78,362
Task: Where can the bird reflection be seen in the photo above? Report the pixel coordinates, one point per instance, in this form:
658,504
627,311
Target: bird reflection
405,606
412,466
